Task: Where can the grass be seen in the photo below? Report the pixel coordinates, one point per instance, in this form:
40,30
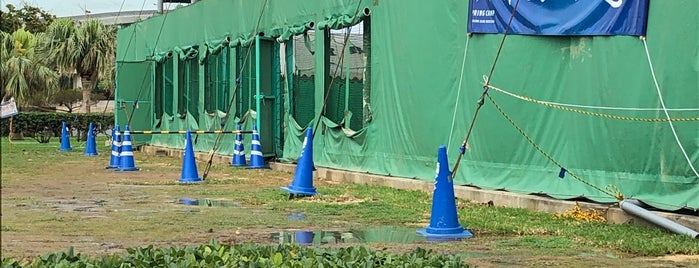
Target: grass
628,238
90,202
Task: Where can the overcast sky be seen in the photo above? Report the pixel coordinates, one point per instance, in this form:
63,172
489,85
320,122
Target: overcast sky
62,8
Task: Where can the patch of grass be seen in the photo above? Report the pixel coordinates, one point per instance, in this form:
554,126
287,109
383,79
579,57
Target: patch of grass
538,242
144,207
628,238
6,228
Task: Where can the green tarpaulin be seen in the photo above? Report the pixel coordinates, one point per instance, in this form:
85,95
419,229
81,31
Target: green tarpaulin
589,103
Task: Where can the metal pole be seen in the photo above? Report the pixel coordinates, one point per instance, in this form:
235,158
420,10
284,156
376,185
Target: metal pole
160,6
347,63
258,96
631,206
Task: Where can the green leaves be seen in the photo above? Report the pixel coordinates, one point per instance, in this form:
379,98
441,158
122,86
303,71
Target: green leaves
31,18
21,68
248,255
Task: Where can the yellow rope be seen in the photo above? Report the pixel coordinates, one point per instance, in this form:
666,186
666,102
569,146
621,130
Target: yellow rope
610,190
610,116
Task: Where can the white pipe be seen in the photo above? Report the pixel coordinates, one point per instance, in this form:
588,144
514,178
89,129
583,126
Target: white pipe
632,207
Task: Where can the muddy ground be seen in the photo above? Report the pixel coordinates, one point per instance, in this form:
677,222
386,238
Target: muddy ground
56,202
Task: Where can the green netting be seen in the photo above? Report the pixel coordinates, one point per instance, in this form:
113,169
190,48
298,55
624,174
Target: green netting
303,82
158,91
416,88
356,104
335,104
247,79
181,88
168,86
192,100
223,81
303,102
217,85
211,70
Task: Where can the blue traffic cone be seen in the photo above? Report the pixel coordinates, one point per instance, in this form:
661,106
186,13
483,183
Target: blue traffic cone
189,165
126,160
444,222
65,138
116,148
303,177
304,237
256,159
91,146
238,150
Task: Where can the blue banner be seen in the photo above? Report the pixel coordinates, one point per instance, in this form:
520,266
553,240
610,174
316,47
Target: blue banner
559,17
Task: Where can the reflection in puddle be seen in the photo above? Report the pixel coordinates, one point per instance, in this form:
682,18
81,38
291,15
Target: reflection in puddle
207,202
385,234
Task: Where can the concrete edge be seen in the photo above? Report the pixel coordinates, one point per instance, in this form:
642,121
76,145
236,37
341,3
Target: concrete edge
612,212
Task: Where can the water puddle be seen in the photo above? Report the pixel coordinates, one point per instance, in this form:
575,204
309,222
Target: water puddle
386,234
594,255
296,216
207,202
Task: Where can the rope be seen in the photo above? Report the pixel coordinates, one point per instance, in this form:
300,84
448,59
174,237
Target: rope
662,103
610,116
462,149
341,61
458,93
610,190
224,122
589,106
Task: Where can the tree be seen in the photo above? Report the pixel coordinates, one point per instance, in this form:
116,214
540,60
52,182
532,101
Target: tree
23,73
89,49
96,51
32,19
59,50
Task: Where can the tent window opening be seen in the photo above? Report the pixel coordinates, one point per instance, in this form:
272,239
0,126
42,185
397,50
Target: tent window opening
163,88
168,86
246,90
223,93
216,90
188,87
348,89
181,88
192,95
303,80
158,92
210,78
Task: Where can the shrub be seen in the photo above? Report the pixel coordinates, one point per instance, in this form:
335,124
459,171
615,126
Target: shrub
248,255
34,123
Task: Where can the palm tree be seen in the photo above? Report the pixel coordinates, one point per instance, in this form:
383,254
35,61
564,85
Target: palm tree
60,45
88,49
96,50
23,74
58,50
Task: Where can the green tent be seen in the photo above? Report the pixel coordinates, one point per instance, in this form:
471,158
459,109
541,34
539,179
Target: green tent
394,79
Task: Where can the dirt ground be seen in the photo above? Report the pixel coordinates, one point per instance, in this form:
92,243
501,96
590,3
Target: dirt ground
98,211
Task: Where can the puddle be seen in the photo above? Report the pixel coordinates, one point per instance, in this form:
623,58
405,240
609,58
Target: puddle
207,202
593,255
386,234
295,216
